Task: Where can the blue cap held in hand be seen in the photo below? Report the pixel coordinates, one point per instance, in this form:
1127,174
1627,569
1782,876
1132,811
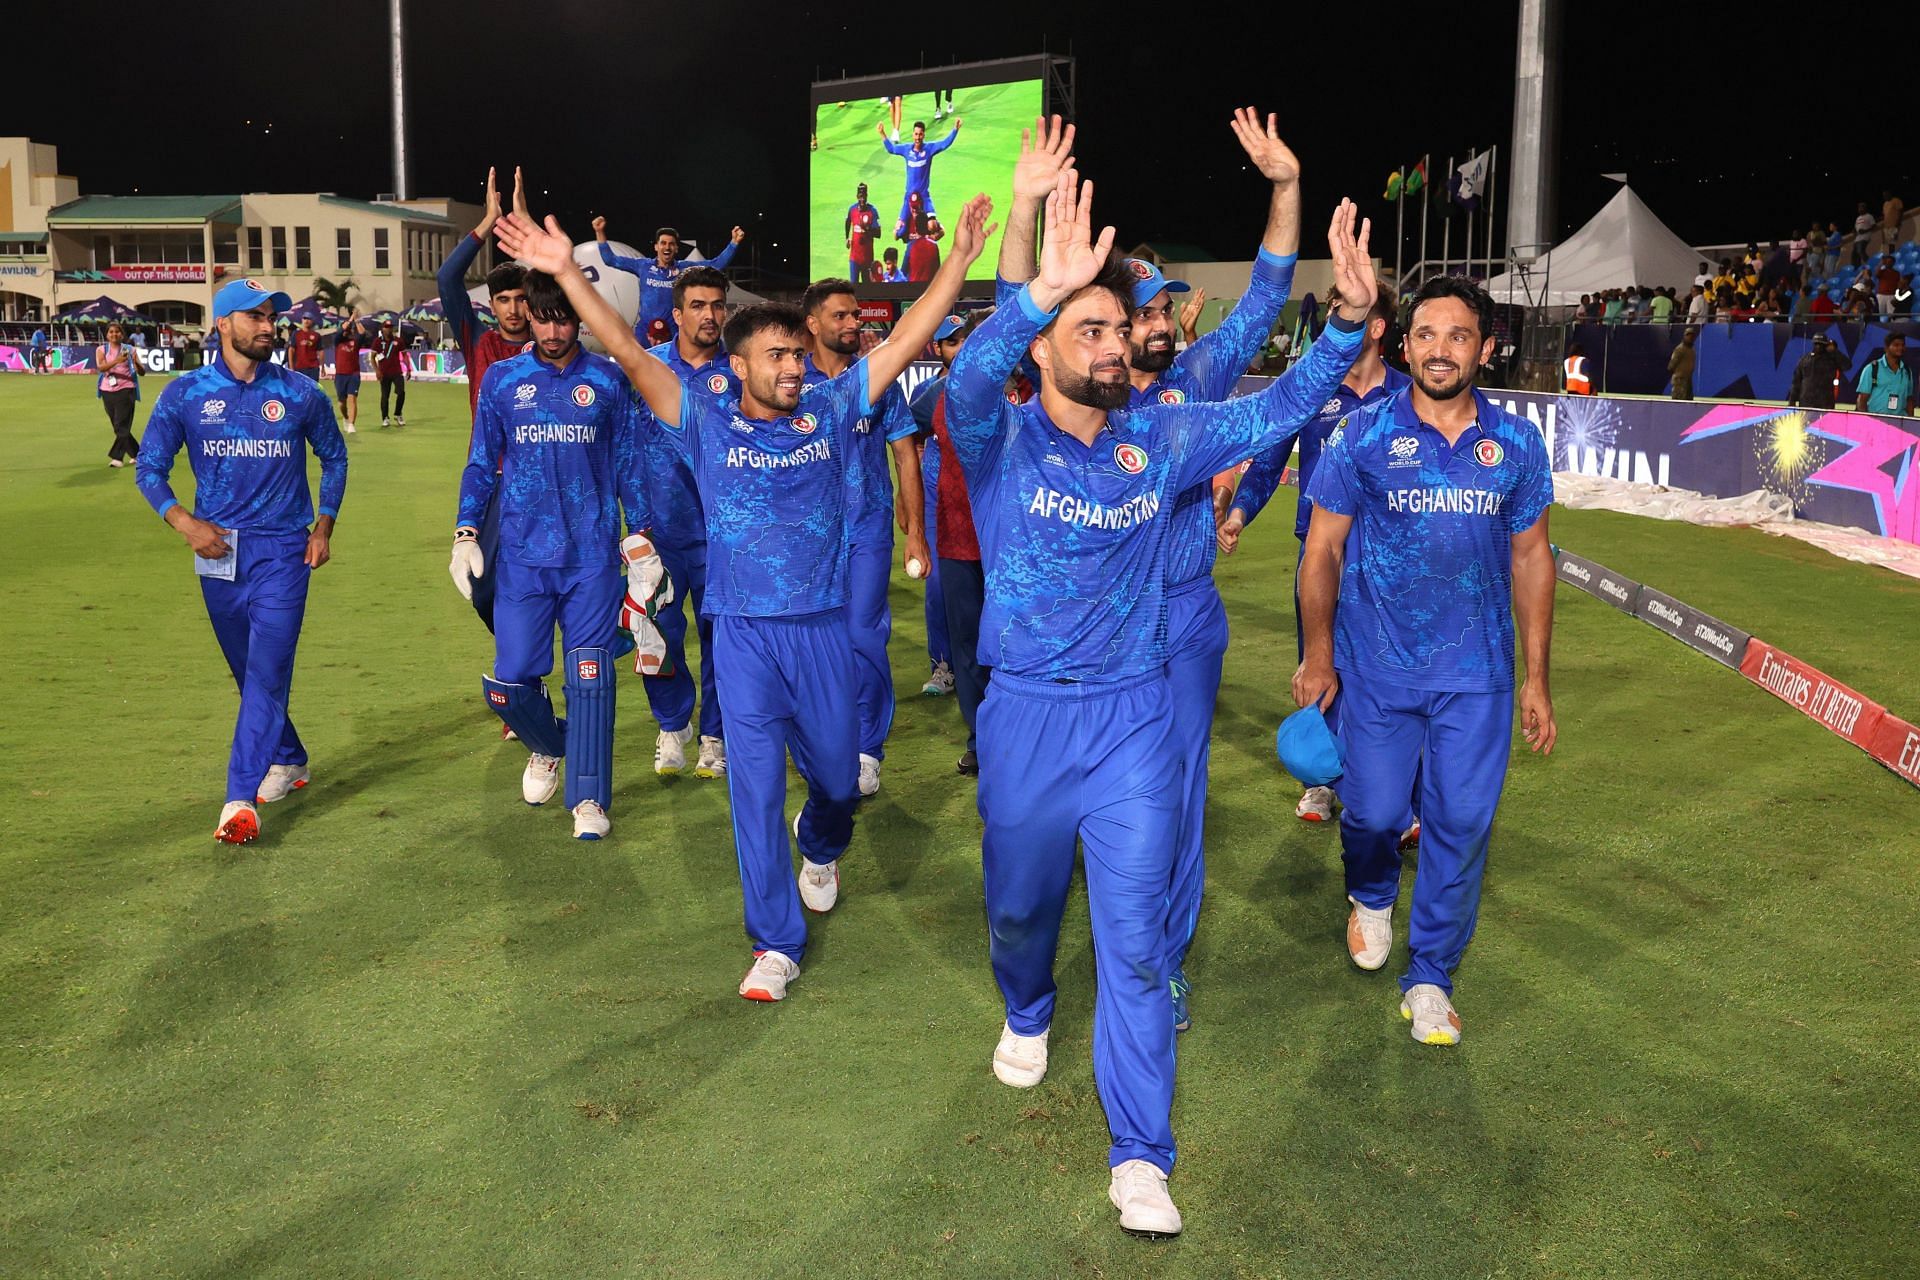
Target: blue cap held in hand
1308,750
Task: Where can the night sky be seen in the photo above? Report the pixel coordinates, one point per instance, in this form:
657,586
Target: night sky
631,111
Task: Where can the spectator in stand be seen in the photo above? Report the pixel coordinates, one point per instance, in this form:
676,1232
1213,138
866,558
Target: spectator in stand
1886,384
1903,297
1767,305
1723,304
1862,224
1704,276
1698,308
1660,307
1892,209
1816,374
1886,282
1816,250
1596,307
1774,267
1833,238
1797,249
1748,285
1629,306
1611,314
1751,259
1680,366
119,387
1724,280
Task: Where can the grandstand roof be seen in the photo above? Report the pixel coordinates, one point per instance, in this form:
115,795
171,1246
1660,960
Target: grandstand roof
387,210
120,210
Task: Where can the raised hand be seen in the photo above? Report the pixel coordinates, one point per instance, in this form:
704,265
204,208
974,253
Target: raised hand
546,250
1045,150
520,195
492,214
1272,157
1070,257
971,233
1190,313
1353,279
739,234
600,226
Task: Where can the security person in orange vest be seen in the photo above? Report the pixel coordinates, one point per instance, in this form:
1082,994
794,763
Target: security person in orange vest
1574,370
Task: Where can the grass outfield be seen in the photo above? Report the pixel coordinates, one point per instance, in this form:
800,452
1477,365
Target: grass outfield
851,152
417,1031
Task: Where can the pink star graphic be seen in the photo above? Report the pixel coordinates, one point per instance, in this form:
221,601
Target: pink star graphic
1862,468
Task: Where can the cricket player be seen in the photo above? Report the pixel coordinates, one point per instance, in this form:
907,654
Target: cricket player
680,533
1074,494
1428,540
654,324
862,229
481,347
918,156
247,424
1371,380
557,433
921,404
773,467
833,324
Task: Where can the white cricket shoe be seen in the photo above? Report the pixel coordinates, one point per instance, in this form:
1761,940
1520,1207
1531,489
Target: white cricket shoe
713,758
869,774
767,980
282,780
1020,1061
940,683
670,751
896,135
542,777
819,885
590,821
1431,1013
1369,935
1139,1192
399,421
385,423
351,430
239,823
1316,805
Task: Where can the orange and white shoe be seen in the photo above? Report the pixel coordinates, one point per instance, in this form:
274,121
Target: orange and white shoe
507,734
282,780
1316,805
1369,935
1431,1013
767,980
239,823
1410,837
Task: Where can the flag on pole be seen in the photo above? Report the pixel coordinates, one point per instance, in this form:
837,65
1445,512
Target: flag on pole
1416,177
1395,185
1469,180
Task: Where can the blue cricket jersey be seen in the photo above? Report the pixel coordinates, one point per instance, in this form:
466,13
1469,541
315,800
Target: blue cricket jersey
1074,537
563,447
1262,478
920,161
870,503
776,493
247,444
679,523
1427,595
1209,369
925,398
656,283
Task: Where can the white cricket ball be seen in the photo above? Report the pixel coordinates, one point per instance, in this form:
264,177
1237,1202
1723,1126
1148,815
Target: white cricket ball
915,569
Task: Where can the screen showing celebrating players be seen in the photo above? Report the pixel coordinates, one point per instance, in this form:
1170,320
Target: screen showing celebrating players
895,155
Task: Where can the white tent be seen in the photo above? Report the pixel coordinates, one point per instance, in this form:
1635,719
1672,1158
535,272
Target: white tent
1624,244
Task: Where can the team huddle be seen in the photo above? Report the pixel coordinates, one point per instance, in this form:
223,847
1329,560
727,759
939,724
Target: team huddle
1077,455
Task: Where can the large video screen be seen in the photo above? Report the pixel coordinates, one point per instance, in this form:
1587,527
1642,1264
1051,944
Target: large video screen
922,144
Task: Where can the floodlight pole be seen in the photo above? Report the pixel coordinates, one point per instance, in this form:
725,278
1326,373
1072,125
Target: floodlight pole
397,45
1536,123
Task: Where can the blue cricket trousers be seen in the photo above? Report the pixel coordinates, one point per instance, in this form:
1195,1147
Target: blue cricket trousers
939,650
1457,745
963,590
1093,762
585,601
671,697
869,625
489,541
789,686
1196,650
256,620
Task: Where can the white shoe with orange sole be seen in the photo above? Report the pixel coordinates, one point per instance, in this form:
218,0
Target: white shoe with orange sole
1316,805
767,980
239,823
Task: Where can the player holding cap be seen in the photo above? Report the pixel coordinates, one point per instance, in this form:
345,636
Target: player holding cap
1073,495
680,532
833,324
654,323
1412,646
481,347
247,424
557,432
771,464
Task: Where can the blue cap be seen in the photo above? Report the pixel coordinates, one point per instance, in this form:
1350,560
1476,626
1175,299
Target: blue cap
1149,280
1308,750
948,327
245,295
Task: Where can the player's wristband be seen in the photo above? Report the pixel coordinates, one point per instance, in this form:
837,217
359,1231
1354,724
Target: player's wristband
465,533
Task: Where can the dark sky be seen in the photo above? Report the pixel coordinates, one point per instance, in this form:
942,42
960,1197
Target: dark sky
697,115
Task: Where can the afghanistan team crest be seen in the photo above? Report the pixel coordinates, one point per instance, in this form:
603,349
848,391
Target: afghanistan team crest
1130,458
1488,453
273,411
805,423
717,383
1173,395
583,395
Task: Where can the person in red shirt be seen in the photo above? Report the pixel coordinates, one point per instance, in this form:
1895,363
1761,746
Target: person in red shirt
863,226
390,365
346,372
306,350
923,253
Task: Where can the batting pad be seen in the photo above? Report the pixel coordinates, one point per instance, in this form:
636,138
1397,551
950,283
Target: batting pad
528,711
589,726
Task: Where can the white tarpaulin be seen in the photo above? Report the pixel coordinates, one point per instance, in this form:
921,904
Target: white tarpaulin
1625,244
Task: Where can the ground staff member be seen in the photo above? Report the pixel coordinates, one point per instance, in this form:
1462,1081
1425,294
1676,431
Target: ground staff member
1449,495
247,424
1886,384
119,387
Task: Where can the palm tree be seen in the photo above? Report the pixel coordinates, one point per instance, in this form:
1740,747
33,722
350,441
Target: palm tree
335,297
